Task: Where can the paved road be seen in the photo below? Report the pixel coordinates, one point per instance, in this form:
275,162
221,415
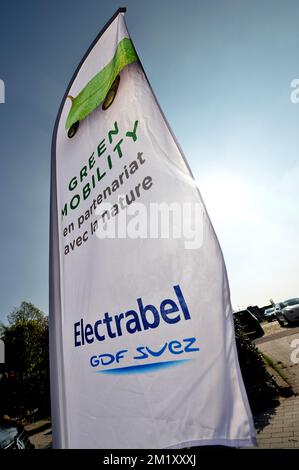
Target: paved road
278,427
279,347
40,434
281,333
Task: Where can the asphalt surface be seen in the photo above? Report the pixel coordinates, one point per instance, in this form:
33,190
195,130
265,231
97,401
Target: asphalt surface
278,427
279,346
286,331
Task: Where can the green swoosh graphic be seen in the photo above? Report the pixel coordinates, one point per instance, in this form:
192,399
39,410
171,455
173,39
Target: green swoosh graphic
97,88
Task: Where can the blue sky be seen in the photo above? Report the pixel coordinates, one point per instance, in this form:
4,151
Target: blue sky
221,71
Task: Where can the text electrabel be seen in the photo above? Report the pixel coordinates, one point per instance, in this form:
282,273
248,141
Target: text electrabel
145,317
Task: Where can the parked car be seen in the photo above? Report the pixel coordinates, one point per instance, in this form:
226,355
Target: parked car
250,324
287,312
269,314
13,436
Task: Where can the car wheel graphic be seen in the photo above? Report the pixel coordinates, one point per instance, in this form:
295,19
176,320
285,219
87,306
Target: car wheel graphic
111,94
73,129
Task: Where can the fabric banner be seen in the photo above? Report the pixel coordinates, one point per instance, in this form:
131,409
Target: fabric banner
142,345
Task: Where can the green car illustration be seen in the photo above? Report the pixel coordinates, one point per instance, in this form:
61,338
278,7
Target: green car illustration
102,88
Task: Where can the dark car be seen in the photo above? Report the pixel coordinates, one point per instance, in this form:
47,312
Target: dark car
13,436
249,324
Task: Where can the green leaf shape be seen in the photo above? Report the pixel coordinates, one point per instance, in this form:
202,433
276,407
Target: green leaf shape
97,88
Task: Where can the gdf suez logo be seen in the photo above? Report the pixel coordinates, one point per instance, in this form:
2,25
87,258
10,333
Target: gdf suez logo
2,92
171,349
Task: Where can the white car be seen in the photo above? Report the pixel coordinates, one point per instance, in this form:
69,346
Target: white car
287,312
269,314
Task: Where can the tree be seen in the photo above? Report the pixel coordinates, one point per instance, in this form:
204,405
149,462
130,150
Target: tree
26,382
